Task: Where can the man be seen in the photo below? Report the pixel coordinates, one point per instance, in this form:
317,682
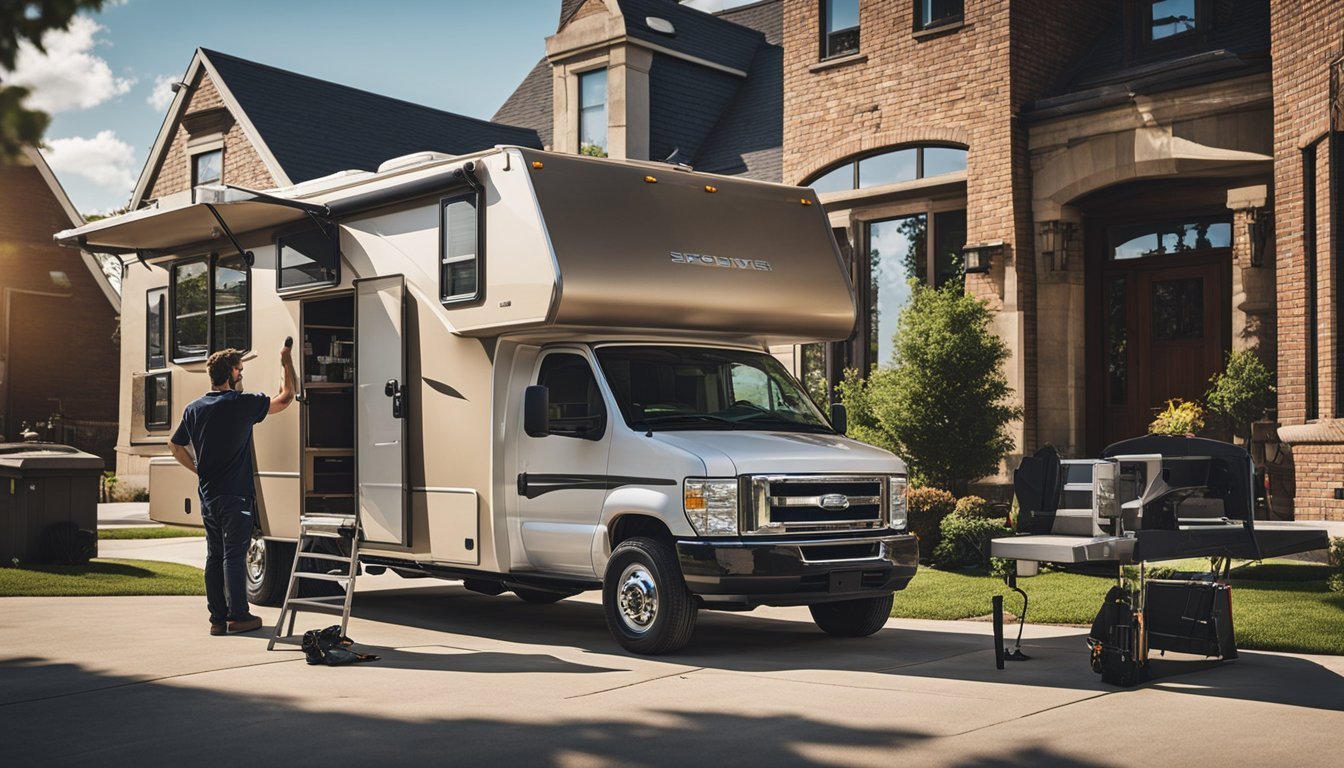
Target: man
218,426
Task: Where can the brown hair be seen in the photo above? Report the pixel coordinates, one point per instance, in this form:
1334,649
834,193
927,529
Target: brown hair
220,365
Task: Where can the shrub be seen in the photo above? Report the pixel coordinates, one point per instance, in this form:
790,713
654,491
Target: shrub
1241,393
1336,552
1335,582
925,510
943,404
965,541
974,506
1180,418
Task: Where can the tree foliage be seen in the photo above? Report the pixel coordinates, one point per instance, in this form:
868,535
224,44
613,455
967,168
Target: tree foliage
27,22
1242,392
944,404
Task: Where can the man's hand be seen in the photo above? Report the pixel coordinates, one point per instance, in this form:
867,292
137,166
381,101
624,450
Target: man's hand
290,383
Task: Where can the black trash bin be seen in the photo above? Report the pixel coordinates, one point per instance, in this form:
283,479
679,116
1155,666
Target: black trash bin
48,503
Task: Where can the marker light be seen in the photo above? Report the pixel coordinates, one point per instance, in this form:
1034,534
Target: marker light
650,180
709,188
804,201
538,164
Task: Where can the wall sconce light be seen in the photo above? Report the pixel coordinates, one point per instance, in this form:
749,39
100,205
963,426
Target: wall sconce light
1257,231
977,256
1056,236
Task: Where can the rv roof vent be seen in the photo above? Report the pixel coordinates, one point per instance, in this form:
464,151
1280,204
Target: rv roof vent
660,25
407,161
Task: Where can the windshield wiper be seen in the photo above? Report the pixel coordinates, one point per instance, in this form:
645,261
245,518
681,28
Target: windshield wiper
765,418
649,421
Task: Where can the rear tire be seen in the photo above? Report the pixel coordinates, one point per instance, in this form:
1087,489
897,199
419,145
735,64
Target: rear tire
540,596
268,565
853,618
648,608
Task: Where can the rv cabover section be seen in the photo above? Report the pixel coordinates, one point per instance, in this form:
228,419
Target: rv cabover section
533,372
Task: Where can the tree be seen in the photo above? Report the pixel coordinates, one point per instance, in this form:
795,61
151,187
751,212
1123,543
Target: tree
20,22
943,405
1241,393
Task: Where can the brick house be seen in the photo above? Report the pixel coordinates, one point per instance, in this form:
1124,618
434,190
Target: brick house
1101,173
238,122
58,319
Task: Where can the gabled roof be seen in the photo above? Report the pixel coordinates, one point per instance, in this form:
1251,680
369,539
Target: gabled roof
304,128
58,192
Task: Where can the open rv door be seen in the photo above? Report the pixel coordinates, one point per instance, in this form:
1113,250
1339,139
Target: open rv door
380,408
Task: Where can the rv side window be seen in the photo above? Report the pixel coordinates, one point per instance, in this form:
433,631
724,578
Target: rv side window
154,305
576,408
459,257
211,306
308,257
158,401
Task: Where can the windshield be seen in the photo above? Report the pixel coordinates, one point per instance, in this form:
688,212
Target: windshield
695,388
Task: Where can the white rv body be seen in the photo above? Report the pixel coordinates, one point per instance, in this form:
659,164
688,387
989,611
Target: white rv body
575,259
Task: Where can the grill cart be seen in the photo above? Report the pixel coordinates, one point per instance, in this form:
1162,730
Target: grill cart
1146,500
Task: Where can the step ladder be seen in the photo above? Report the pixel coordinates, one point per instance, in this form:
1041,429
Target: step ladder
339,569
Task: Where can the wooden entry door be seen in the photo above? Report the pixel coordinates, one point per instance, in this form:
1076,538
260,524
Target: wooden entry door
1166,329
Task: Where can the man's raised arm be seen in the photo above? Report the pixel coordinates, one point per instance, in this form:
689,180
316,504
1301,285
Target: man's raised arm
290,384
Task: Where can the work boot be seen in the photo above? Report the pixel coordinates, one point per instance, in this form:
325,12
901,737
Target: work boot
218,629
245,625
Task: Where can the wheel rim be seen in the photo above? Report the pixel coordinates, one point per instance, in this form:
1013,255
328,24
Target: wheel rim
637,599
256,559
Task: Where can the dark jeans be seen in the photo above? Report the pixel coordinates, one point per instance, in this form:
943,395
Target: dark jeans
228,530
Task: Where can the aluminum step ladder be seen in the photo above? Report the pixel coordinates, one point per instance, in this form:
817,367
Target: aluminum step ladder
338,569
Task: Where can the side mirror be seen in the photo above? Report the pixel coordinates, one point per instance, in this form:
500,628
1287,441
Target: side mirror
536,411
839,418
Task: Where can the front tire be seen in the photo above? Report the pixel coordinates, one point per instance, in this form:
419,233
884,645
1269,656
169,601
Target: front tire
268,565
648,608
853,618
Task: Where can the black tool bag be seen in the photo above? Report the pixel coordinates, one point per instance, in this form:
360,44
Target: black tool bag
328,646
1114,641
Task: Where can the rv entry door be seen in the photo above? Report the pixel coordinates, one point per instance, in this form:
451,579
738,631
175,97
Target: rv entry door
380,408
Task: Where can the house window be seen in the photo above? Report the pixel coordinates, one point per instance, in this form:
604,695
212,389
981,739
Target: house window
1170,18
930,14
154,306
158,401
309,256
211,306
460,262
207,168
840,28
1309,266
899,253
889,166
593,113
1175,237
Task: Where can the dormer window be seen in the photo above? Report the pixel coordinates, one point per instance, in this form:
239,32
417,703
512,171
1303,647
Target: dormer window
593,113
1168,19
207,168
840,28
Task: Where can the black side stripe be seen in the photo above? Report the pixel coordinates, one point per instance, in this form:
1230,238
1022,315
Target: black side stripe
532,486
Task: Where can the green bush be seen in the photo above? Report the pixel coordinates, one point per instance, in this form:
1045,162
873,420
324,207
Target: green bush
974,506
1336,552
965,541
1335,582
943,405
1241,393
925,509
1180,418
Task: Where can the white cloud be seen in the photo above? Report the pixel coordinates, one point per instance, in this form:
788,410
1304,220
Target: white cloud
163,92
68,75
105,160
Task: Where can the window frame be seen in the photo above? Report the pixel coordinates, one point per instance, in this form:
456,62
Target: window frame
825,35
161,361
568,427
333,233
1147,44
854,160
151,386
946,22
195,159
211,261
606,108
477,202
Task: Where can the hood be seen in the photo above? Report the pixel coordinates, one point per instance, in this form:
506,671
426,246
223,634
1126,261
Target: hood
732,453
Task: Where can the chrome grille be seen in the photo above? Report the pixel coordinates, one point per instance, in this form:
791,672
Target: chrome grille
797,503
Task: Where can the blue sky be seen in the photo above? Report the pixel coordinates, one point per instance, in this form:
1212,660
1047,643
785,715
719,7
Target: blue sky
105,79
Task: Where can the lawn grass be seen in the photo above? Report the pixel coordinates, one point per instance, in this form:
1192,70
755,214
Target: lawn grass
149,532
100,578
1276,606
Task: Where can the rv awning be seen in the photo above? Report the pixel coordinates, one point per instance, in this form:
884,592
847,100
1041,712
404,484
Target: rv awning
153,229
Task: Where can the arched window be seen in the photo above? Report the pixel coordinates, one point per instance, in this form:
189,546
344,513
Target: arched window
889,166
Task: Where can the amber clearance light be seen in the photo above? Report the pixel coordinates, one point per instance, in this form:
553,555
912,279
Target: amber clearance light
650,180
538,164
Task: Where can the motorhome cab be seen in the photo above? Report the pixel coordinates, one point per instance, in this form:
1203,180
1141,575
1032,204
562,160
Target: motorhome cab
532,372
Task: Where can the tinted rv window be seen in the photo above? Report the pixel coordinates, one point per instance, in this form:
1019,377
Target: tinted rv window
459,277
191,309
211,305
158,401
229,327
154,304
308,257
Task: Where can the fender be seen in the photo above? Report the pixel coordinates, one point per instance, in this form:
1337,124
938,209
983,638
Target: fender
661,502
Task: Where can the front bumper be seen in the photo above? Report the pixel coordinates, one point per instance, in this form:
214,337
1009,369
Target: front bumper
746,572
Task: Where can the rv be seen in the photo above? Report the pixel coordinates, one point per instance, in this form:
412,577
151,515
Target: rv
532,372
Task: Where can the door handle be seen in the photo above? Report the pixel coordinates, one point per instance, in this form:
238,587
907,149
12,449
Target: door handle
394,390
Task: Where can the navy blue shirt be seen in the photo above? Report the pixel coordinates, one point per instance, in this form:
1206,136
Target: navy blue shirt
218,426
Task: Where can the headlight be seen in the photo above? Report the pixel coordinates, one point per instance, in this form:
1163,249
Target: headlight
711,506
896,486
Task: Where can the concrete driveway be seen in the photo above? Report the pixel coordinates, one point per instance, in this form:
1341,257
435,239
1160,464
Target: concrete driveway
467,679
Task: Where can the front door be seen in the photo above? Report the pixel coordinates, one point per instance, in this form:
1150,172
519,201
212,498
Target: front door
380,409
1166,331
